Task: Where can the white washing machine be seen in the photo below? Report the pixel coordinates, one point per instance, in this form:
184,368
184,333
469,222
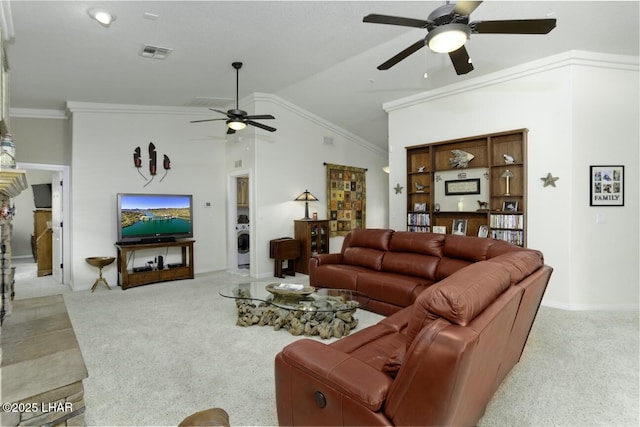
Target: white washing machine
244,254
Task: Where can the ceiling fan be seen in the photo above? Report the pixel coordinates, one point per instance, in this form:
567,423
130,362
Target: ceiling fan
238,119
449,28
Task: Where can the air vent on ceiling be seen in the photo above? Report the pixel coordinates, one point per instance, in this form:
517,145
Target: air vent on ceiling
155,52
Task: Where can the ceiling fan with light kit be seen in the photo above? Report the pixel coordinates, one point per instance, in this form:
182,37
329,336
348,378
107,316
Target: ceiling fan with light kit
236,118
449,28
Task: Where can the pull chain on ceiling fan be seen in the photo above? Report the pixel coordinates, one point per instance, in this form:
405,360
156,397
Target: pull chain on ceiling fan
449,28
238,119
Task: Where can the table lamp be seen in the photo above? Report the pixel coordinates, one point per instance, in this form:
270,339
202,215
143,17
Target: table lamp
306,197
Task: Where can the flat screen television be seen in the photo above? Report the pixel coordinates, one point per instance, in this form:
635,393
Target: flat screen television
150,218
41,196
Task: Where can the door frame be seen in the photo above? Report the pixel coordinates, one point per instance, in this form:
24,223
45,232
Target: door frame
232,212
64,170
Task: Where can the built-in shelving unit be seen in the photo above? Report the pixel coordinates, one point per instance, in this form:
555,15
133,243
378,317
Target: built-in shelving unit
488,194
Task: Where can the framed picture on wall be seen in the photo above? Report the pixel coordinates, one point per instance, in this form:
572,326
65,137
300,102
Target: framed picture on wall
606,185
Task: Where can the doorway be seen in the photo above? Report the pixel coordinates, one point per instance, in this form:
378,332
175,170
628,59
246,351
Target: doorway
58,176
239,213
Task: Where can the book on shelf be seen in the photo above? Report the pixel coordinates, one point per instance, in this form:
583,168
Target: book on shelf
420,219
510,221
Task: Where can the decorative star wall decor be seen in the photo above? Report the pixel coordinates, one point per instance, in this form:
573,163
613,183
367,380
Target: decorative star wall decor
549,180
398,188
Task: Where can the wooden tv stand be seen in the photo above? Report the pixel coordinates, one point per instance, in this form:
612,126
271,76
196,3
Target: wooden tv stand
129,279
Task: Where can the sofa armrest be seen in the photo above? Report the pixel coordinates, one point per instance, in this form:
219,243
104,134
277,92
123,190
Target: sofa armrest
352,377
321,259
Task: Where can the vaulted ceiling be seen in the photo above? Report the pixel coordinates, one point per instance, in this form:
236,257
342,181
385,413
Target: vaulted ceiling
316,54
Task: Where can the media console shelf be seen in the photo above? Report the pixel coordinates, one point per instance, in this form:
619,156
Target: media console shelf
129,279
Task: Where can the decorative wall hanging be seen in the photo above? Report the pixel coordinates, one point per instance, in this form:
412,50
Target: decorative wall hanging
153,165
398,188
607,185
346,198
549,180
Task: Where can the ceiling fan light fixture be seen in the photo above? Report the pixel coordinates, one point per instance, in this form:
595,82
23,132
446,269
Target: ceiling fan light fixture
447,38
102,16
236,125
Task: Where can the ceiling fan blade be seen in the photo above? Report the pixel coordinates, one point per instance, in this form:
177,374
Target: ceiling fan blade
260,117
205,120
460,60
230,131
395,20
466,7
261,126
516,26
218,111
402,55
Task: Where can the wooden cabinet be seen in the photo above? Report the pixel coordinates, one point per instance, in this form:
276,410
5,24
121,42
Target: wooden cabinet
43,241
129,278
314,239
478,181
243,192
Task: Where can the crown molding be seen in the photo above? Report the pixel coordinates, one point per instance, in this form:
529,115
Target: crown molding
569,58
309,116
34,113
95,107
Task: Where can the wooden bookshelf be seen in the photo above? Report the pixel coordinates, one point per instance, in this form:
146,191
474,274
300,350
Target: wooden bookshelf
503,216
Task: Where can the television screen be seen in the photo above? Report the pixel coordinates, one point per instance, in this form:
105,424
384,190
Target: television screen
154,217
41,195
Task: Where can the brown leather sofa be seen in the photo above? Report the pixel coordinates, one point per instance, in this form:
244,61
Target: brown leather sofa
394,267
437,361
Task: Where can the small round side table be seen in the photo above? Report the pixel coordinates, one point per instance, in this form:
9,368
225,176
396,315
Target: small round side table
100,262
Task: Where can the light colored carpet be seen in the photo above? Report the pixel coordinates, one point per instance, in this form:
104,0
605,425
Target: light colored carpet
158,353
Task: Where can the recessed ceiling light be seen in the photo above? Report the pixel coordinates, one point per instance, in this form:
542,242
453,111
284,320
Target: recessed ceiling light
102,16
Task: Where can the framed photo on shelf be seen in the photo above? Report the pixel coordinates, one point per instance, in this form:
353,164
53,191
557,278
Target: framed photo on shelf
440,229
483,231
606,185
459,227
420,207
462,186
510,206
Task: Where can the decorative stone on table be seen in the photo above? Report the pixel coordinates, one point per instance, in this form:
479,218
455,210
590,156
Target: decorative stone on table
305,321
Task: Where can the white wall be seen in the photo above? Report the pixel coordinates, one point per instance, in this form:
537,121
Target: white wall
280,165
581,109
290,160
104,138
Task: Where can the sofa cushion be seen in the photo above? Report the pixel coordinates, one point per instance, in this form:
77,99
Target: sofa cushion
448,266
337,276
519,264
460,297
419,243
396,289
363,257
373,238
472,249
411,264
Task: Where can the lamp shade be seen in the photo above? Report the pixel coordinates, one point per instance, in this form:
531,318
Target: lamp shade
306,197
447,38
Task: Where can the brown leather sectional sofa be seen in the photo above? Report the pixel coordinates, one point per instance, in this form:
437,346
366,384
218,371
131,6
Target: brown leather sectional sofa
469,304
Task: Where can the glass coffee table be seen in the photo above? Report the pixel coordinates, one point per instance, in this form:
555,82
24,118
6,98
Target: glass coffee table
298,308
